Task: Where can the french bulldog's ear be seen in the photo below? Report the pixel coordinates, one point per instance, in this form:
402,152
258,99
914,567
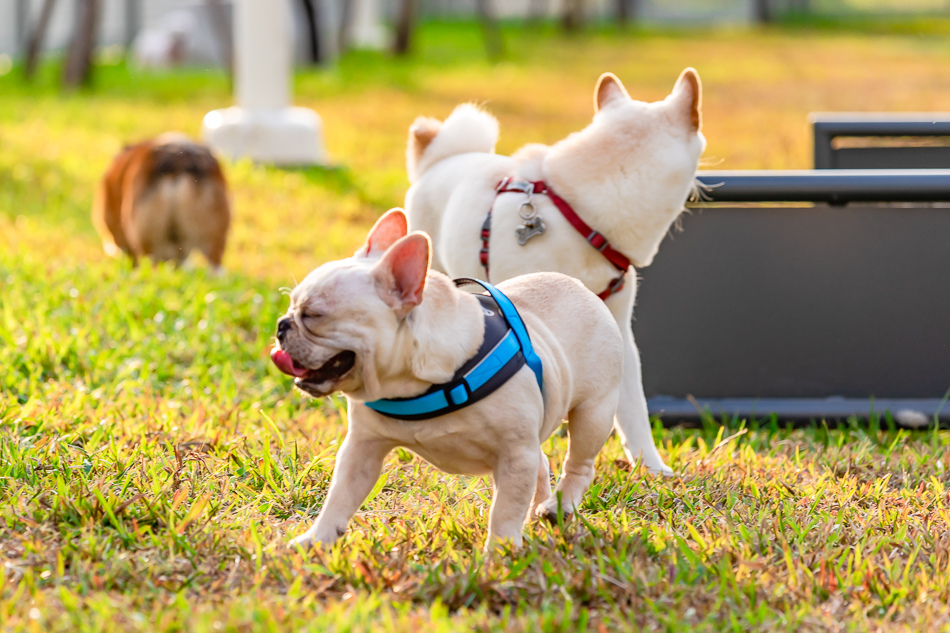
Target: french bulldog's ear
391,227
608,90
688,93
401,273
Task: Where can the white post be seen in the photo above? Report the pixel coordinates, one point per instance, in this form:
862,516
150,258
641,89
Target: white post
263,126
263,34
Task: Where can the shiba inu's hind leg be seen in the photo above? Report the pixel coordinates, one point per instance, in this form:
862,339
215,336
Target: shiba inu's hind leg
633,420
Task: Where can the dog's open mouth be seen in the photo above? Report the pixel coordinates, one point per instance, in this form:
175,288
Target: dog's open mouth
332,370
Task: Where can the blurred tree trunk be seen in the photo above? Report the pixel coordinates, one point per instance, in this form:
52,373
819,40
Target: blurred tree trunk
573,17
34,43
626,11
494,45
762,11
346,25
21,14
78,66
313,30
404,24
133,20
222,33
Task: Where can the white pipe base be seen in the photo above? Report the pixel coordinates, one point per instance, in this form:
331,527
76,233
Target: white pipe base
288,136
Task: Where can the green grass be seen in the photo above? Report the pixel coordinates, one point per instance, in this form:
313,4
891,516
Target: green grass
153,463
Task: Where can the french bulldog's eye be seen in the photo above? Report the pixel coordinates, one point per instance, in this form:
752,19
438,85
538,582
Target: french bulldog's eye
312,315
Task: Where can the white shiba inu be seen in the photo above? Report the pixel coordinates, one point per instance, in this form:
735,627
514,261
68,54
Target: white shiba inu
626,176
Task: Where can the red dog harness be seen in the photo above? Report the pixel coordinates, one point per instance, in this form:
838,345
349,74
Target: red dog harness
596,239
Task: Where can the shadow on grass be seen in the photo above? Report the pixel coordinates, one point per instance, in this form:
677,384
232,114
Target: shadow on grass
337,179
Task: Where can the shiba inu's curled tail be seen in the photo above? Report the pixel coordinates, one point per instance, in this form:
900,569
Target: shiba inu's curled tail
467,129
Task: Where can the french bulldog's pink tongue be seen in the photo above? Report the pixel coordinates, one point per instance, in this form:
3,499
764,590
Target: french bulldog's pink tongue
286,364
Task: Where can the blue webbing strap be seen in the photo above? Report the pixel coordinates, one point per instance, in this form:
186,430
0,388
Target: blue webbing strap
516,324
495,365
457,395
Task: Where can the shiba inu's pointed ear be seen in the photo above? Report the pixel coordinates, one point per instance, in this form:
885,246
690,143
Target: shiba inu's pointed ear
401,273
689,92
392,226
608,90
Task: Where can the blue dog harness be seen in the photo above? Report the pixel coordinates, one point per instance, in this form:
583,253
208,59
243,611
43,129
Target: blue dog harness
505,349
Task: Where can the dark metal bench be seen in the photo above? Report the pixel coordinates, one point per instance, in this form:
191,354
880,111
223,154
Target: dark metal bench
851,140
773,301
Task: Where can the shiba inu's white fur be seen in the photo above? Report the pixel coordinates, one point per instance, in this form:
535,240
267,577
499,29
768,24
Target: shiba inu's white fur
468,129
627,174
381,325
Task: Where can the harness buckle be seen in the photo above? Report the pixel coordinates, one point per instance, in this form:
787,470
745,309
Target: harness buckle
509,185
459,394
598,241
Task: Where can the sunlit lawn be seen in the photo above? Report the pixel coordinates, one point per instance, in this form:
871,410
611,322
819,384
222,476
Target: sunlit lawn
153,464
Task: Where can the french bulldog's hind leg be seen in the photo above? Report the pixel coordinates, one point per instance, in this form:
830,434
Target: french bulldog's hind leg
588,427
358,465
515,481
543,490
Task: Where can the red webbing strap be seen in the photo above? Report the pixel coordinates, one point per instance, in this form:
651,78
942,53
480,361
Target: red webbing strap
615,286
596,239
486,239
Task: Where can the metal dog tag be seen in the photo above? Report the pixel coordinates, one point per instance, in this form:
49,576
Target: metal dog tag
531,227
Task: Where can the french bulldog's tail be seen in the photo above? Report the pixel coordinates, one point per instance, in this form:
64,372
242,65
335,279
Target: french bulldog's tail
467,129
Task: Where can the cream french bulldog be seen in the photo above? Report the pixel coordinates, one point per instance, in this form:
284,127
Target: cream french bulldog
380,326
627,175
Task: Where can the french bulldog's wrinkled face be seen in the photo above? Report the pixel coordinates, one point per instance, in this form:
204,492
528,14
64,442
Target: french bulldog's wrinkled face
343,316
324,336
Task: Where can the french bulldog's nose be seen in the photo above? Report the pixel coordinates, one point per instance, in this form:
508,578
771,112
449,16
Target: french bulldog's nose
283,325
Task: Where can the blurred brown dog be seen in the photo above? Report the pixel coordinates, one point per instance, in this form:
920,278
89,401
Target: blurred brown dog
161,199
